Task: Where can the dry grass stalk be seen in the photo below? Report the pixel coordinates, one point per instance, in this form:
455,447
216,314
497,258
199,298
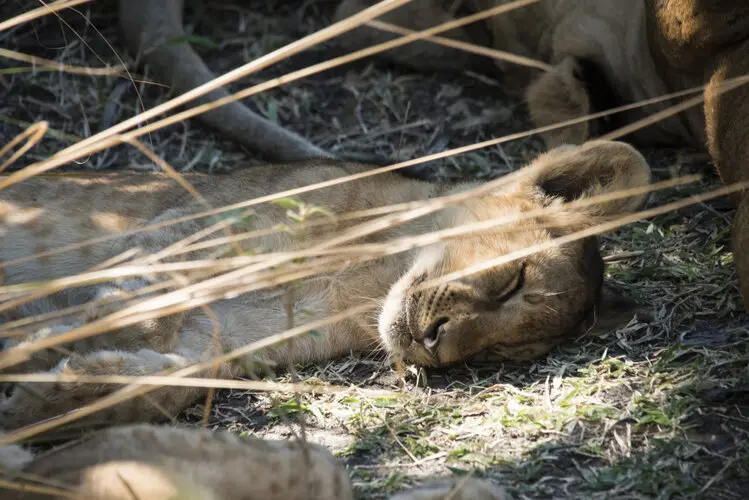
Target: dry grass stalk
32,135
499,55
44,10
41,63
41,489
7,329
215,383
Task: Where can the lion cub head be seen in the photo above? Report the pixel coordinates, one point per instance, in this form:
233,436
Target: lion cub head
522,308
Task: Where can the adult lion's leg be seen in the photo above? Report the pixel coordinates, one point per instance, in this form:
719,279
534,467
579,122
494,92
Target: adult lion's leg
416,15
559,95
727,122
152,28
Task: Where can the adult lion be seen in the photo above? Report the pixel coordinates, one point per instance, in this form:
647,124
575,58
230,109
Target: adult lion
608,52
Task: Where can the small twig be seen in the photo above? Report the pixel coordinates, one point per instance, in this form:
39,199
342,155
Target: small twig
40,12
616,257
499,55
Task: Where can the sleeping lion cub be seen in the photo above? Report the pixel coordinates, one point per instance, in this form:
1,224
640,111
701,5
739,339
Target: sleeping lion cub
602,54
520,309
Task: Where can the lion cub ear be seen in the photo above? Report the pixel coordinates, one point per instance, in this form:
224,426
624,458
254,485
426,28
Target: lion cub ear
595,168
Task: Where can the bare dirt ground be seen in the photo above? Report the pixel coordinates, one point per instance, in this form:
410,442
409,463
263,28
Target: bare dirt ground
656,410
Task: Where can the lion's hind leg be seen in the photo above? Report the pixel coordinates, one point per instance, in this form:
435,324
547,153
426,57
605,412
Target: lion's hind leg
32,402
158,334
557,96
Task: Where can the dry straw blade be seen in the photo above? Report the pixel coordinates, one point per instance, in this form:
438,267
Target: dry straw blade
44,10
51,491
499,55
32,135
41,63
215,383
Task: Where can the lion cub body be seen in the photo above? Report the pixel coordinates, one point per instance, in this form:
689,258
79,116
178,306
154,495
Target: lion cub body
54,212
519,309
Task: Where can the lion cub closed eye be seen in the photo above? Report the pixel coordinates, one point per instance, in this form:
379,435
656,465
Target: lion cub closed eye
519,308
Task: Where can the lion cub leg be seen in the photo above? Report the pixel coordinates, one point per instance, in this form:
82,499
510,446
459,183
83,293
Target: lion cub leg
159,334
146,348
32,403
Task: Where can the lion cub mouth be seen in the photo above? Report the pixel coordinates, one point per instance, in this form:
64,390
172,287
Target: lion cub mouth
402,331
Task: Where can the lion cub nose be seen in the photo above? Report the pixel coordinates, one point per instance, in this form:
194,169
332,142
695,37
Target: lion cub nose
433,334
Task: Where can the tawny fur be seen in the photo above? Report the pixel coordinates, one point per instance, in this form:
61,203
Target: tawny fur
155,463
521,309
641,48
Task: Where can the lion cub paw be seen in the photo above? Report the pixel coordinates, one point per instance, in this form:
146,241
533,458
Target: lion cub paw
21,405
